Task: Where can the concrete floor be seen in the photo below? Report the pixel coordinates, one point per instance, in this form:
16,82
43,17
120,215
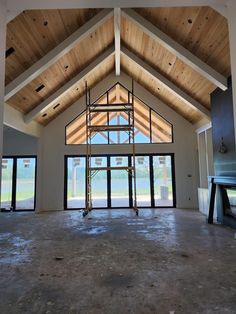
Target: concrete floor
164,261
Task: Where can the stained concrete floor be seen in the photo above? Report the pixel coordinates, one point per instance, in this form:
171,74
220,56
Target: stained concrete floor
164,261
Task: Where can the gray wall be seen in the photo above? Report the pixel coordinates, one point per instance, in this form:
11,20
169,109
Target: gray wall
17,143
223,127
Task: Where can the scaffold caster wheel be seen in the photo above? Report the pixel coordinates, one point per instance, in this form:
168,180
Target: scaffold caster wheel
136,212
85,214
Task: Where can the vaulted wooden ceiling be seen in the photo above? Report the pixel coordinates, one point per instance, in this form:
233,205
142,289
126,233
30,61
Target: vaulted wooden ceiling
33,34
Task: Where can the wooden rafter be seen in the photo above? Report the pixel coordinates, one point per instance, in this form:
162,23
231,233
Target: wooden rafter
58,52
178,50
187,99
47,103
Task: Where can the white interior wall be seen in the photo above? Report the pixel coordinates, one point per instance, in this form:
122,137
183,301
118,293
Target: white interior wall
51,166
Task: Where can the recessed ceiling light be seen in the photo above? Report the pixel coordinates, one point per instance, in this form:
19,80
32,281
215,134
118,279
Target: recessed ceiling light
38,89
9,52
56,106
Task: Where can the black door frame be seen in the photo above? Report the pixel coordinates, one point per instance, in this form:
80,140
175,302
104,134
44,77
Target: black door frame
151,171
14,180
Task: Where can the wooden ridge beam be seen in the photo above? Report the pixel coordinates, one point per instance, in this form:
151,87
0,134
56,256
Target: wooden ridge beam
117,20
178,50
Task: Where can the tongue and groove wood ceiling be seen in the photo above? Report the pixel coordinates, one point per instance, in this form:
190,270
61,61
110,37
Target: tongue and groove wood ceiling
33,34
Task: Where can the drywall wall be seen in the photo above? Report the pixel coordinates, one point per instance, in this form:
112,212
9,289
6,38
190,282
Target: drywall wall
53,149
17,143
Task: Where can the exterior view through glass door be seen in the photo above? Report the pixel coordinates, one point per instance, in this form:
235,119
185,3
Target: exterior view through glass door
75,182
99,182
113,188
18,183
25,183
119,182
143,181
6,186
163,181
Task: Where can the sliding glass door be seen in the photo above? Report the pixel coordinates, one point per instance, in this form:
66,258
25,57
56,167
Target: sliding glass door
119,182
18,183
76,182
25,183
163,181
143,183
7,182
99,182
113,188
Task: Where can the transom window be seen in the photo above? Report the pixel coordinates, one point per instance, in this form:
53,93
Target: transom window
150,127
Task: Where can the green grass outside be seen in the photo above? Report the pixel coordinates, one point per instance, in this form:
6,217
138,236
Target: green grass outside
100,188
25,191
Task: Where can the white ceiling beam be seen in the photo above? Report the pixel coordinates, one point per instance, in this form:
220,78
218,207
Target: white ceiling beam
222,9
117,20
11,15
182,53
21,5
55,54
166,83
50,101
15,119
202,126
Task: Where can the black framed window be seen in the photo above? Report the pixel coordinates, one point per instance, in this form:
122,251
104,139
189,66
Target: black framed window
18,184
150,126
155,181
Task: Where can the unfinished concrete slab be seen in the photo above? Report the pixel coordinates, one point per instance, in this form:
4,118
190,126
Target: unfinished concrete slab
164,261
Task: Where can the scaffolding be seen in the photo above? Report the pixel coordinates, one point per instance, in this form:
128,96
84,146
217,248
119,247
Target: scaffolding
92,129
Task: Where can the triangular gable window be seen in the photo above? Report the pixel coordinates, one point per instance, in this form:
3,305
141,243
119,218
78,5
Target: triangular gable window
150,127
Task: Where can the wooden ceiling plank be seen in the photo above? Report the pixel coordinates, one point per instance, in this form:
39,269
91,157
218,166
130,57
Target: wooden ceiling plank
55,54
174,47
117,23
47,103
165,82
